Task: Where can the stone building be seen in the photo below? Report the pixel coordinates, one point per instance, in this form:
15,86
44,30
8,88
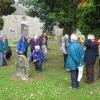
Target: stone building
14,25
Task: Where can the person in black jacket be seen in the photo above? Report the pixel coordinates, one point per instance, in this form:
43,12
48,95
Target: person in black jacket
90,57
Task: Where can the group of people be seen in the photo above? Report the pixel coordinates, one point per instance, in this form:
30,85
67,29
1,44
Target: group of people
38,49
77,53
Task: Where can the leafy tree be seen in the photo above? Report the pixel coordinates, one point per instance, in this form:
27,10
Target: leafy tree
5,9
90,18
1,23
55,12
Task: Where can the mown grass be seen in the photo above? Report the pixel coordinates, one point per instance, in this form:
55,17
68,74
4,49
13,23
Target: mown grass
52,84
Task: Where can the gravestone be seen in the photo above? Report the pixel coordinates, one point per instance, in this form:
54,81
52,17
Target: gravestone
22,68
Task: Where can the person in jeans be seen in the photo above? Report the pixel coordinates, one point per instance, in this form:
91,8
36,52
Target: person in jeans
1,50
37,57
5,44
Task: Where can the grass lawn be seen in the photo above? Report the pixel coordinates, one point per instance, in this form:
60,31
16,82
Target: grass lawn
52,84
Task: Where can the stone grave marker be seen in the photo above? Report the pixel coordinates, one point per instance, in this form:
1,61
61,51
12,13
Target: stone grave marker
22,68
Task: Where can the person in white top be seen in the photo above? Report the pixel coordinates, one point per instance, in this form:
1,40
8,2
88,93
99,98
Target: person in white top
63,47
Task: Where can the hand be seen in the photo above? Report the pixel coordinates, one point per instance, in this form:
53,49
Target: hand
20,52
34,61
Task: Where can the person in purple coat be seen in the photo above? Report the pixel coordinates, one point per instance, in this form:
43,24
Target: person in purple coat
37,57
35,41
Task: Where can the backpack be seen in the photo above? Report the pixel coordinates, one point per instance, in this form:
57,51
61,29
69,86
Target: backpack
8,53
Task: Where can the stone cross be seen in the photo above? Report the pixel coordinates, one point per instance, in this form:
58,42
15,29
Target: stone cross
22,67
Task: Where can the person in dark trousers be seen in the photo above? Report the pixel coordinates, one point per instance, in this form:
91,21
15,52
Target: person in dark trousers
74,59
90,57
64,48
37,57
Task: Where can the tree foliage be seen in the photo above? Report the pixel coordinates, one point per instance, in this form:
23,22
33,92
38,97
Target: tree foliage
67,14
89,21
5,9
55,12
1,23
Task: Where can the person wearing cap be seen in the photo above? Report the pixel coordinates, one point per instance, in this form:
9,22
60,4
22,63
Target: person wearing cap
90,57
37,57
74,59
22,46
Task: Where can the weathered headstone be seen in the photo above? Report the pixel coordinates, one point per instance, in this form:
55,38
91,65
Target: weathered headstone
22,68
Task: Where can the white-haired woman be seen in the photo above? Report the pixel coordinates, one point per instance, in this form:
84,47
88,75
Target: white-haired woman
90,57
35,41
75,59
37,57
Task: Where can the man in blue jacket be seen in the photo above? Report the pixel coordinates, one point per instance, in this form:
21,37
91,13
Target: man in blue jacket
37,57
74,59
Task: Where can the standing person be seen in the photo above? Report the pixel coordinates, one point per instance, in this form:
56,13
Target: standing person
67,44
64,47
45,44
5,44
45,39
90,57
33,42
37,57
22,46
74,59
1,50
